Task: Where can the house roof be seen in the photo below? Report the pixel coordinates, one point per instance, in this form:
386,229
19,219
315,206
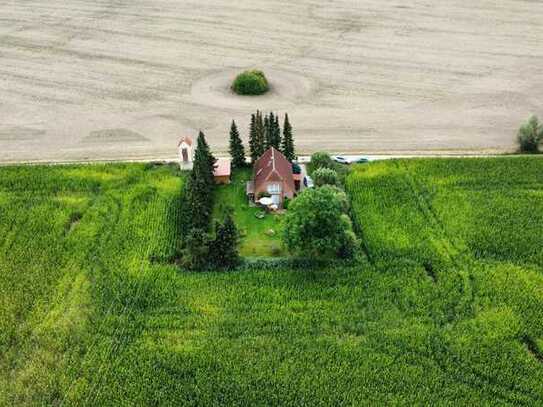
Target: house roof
222,168
273,166
185,139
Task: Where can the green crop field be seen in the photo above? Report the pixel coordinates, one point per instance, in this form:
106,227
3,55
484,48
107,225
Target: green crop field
446,309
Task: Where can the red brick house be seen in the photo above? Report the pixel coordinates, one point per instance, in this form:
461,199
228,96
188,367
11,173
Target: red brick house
272,177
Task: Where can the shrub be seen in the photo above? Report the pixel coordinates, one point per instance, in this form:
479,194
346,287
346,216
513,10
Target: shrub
530,136
320,160
251,83
325,176
286,203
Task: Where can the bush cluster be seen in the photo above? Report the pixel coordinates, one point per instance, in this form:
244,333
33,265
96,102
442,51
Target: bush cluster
250,83
530,136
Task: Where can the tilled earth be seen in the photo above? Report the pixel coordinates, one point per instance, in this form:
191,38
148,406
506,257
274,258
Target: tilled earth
124,79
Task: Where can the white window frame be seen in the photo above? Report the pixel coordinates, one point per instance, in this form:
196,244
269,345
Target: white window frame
274,188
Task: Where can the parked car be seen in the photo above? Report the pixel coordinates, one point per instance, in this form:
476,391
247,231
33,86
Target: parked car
341,160
308,182
362,160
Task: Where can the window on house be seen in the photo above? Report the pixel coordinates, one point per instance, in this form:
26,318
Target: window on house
274,188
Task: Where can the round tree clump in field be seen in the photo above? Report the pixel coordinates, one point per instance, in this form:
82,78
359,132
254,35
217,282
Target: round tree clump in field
251,83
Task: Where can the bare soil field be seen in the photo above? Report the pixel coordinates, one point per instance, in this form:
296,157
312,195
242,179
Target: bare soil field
124,79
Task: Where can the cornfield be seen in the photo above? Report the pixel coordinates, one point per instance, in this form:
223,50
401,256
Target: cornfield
446,309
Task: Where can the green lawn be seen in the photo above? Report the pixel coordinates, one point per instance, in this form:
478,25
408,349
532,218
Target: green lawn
260,237
445,311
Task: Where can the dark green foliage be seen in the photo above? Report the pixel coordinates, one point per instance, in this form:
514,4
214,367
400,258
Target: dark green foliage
317,225
237,151
325,176
323,160
287,144
267,133
204,162
273,131
530,136
198,191
250,83
257,136
196,255
224,252
253,140
320,160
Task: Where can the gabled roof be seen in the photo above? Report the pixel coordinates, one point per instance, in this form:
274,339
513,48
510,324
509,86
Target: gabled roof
273,166
185,139
222,168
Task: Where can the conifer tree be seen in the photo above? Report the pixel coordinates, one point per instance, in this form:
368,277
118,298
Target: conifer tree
196,253
287,145
253,140
204,162
237,151
277,133
267,133
225,244
260,136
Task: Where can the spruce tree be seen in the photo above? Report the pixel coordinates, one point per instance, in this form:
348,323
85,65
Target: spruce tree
277,133
225,245
196,253
267,133
237,151
204,162
287,145
253,140
260,134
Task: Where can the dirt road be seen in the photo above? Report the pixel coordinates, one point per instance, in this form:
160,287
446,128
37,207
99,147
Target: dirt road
123,79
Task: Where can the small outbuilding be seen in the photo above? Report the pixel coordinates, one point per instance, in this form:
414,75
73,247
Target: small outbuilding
223,171
185,151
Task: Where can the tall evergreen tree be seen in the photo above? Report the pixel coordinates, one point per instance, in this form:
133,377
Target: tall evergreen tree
274,132
287,145
237,151
225,245
196,253
277,134
204,162
268,132
253,140
260,136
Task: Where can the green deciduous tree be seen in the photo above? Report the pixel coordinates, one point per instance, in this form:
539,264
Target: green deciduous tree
320,160
237,151
317,225
530,135
325,176
287,143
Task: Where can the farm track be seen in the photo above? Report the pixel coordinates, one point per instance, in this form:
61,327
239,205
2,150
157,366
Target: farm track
417,78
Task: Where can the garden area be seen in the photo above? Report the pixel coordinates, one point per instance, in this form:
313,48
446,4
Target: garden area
260,231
